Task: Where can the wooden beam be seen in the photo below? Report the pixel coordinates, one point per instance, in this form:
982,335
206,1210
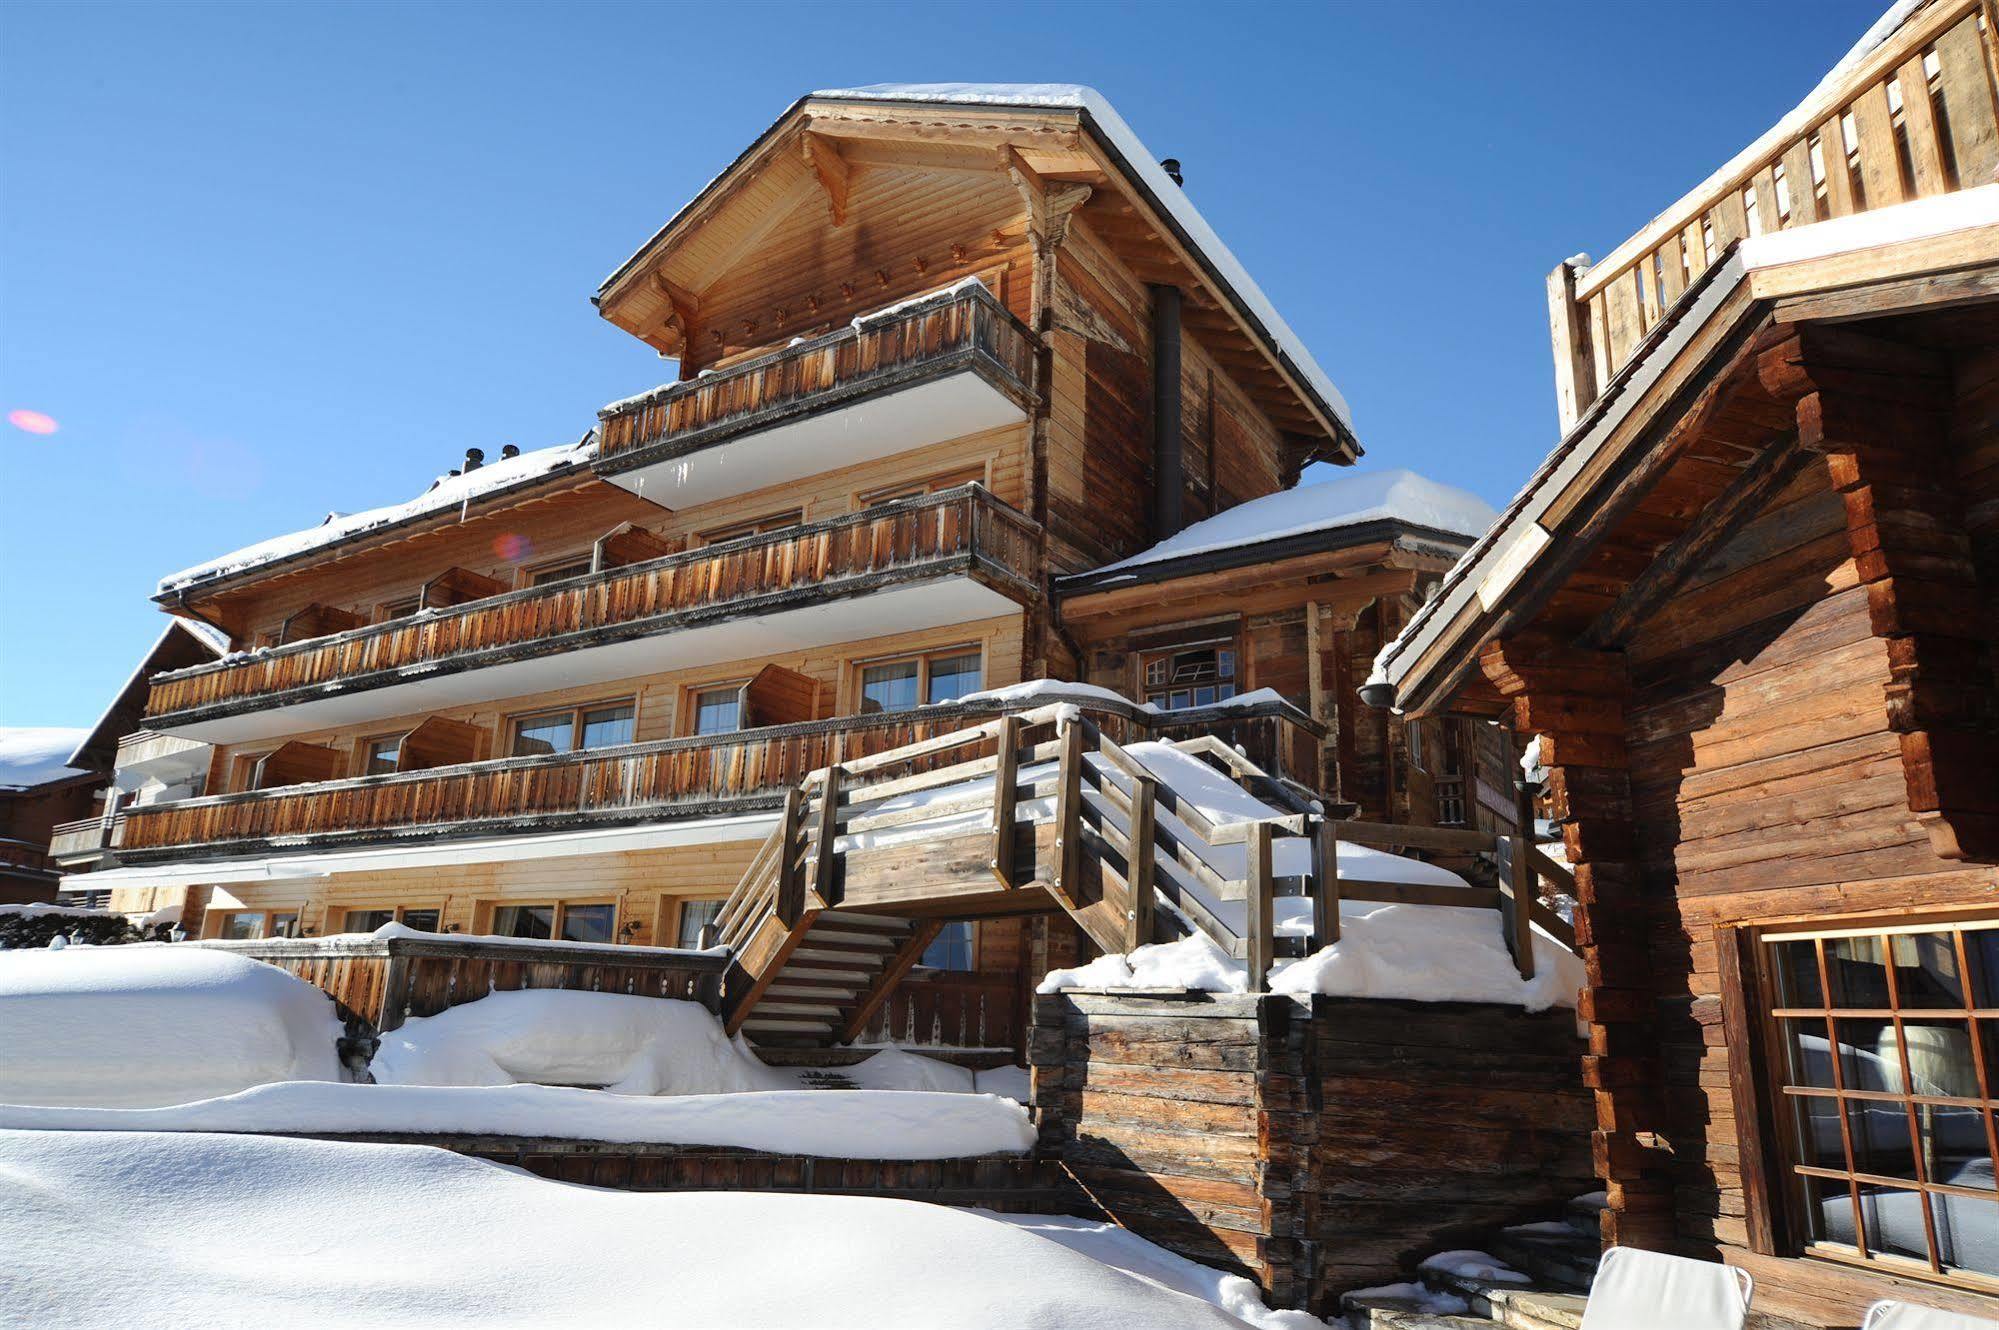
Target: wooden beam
1140,884
759,229
921,934
1006,793
1261,907
790,868
828,864
831,169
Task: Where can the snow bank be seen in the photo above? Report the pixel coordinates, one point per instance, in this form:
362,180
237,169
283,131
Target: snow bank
839,1124
219,1230
621,1042
151,1023
1348,499
32,755
1469,1264
899,1069
1919,219
1036,692
1191,962
447,493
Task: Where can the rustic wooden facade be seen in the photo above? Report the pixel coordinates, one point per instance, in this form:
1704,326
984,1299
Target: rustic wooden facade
1748,606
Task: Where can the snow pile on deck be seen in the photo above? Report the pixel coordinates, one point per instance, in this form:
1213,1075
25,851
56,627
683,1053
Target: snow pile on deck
154,1023
218,1230
447,493
838,1124
32,755
1348,499
623,1043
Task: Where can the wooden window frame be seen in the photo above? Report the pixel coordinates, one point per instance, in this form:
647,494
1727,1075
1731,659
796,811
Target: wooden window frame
690,705
935,482
560,905
782,519
1231,641
246,771
211,926
390,610
576,713
396,912
672,911
859,667
541,574
363,752
1777,1213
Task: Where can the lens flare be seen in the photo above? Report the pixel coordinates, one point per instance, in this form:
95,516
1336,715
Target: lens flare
512,547
34,422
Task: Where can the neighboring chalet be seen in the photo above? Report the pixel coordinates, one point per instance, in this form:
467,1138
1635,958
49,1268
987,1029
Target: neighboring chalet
940,348
39,788
1750,606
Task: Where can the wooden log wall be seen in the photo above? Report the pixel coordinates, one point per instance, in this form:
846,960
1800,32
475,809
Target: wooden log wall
1315,1145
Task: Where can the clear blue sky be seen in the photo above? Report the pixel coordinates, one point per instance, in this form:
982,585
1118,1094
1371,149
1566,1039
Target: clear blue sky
262,261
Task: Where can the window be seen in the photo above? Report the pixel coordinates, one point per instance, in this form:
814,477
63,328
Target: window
562,920
916,489
247,925
367,921
550,732
1193,677
952,948
250,772
400,609
1888,1072
695,916
558,572
378,756
899,685
718,710
755,526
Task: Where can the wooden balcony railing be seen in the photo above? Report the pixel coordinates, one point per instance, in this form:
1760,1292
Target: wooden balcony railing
963,327
1912,119
84,837
635,782
965,530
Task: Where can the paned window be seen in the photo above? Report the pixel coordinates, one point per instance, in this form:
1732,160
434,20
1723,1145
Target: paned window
1192,677
550,732
899,685
560,920
718,710
695,916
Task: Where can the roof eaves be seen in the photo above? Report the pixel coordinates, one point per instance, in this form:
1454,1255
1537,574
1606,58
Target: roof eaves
1321,540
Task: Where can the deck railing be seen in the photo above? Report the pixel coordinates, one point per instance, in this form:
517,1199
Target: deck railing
744,771
963,326
1912,119
85,836
964,529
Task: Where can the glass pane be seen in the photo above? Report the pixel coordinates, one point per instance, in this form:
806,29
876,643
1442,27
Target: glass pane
1204,696
587,923
952,948
1955,1147
422,920
718,712
535,921
382,757
1868,1059
1859,975
1819,1142
366,921
1926,970
607,727
1808,1059
1940,1057
243,926
541,735
1225,664
1798,974
890,687
1894,1222
284,925
1967,1233
951,677
1829,1210
1982,945
694,916
1881,1141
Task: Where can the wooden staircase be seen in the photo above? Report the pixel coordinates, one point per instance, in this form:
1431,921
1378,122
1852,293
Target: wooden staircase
1035,813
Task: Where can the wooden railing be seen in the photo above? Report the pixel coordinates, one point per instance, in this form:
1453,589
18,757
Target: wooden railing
964,529
927,337
633,782
1912,119
90,835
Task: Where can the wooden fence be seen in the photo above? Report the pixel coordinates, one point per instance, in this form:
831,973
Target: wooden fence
923,338
961,529
385,980
1913,119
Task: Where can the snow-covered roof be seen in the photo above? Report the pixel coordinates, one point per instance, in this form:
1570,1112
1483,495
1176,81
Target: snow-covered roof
129,701
445,493
1347,499
37,755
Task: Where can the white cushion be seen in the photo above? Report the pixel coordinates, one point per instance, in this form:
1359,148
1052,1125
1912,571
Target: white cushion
1905,1316
1648,1290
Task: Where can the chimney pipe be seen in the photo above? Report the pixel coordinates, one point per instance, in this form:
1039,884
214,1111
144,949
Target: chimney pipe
1168,473
1171,165
511,450
474,458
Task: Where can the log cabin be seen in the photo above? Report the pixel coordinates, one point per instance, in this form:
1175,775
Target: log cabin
940,349
1749,608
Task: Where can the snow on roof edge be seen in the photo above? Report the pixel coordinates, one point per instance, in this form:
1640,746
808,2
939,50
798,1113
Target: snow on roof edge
201,630
32,756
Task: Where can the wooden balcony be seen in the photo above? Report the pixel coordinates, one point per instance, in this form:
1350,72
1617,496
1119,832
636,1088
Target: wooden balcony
925,371
969,554
87,842
1913,119
674,778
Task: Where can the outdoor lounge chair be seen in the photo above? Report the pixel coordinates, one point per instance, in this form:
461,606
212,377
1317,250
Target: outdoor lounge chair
1648,1290
1887,1315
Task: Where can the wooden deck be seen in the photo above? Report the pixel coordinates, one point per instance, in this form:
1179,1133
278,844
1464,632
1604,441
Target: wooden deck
1913,119
966,329
740,772
960,531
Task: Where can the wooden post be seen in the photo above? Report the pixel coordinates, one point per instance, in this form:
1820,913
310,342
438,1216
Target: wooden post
1575,363
1516,901
1138,922
1069,816
823,878
1262,905
790,869
1006,792
1326,883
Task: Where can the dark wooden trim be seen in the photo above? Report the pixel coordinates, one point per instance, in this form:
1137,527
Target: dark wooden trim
1757,1140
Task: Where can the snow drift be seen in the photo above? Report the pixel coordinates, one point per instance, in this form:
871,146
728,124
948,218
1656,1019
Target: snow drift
155,1023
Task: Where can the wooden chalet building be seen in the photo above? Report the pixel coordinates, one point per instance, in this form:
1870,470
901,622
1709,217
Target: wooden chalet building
40,788
1750,607
943,351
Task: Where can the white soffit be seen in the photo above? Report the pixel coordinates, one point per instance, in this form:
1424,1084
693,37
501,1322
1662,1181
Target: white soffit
904,609
864,430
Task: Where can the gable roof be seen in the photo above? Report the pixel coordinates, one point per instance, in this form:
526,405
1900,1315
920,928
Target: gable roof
32,756
182,642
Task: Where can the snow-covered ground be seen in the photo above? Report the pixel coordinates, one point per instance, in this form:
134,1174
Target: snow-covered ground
177,1230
